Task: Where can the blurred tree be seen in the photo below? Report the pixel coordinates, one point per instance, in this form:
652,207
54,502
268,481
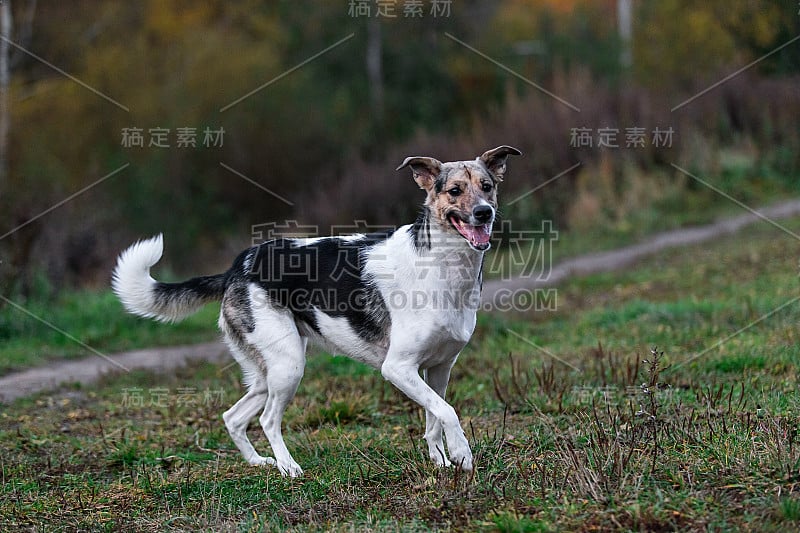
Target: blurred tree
5,78
8,59
682,43
574,32
316,134
375,68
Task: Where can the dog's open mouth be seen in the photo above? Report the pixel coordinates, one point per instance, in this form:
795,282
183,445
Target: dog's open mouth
477,236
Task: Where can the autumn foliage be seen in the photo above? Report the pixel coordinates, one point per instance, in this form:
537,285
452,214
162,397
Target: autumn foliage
311,132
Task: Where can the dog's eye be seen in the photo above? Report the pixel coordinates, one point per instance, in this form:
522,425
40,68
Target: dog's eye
487,187
455,191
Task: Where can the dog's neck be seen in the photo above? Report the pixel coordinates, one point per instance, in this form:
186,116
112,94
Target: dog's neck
445,251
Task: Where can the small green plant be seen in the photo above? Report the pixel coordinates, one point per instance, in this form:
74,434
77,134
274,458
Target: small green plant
511,522
790,509
124,455
336,412
650,414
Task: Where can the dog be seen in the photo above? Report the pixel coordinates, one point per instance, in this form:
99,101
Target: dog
401,301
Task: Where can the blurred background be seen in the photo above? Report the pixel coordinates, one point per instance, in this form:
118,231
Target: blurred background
203,119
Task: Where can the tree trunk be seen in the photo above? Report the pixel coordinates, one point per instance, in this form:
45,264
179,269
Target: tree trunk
24,32
375,67
625,29
5,79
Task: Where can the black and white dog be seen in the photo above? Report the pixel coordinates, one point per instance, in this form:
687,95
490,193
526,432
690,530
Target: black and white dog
399,301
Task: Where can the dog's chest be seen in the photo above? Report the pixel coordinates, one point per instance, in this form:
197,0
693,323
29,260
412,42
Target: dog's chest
442,335
432,297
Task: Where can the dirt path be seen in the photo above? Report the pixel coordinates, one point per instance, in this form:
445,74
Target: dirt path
90,369
626,256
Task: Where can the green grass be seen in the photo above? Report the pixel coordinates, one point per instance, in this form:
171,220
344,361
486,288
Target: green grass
604,436
95,319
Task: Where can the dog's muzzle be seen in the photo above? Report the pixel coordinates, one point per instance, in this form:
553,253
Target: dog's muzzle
478,231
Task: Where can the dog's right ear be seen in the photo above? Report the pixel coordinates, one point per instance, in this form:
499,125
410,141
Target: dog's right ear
425,169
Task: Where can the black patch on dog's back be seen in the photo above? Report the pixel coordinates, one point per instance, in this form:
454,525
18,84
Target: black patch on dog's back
328,275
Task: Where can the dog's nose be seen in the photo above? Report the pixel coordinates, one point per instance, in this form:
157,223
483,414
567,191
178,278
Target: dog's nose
483,213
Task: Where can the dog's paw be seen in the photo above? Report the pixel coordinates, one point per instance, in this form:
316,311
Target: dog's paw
437,460
290,469
464,463
458,448
438,457
462,458
258,460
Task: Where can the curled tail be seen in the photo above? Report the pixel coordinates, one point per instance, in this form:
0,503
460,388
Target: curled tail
168,302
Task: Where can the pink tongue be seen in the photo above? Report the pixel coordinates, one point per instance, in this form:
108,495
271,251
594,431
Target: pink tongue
474,234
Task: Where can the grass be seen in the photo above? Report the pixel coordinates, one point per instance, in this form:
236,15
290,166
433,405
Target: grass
95,319
607,435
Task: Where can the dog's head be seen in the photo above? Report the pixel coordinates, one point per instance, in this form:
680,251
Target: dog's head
462,195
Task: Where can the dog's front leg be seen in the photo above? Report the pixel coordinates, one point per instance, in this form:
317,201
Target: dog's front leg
405,376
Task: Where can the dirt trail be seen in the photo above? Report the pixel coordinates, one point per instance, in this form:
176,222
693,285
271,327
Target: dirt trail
623,257
90,369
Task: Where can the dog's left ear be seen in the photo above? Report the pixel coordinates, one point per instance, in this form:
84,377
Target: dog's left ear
425,169
495,159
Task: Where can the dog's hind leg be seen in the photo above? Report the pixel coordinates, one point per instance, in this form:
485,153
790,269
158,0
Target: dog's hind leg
436,377
238,417
236,322
283,350
283,377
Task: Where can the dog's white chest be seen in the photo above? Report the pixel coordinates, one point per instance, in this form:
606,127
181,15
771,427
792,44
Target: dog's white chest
443,339
432,299
461,325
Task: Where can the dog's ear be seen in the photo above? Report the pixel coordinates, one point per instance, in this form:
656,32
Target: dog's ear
495,159
425,169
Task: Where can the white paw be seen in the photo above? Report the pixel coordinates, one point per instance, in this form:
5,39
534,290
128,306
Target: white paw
438,457
460,454
290,469
461,457
437,460
464,463
258,460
